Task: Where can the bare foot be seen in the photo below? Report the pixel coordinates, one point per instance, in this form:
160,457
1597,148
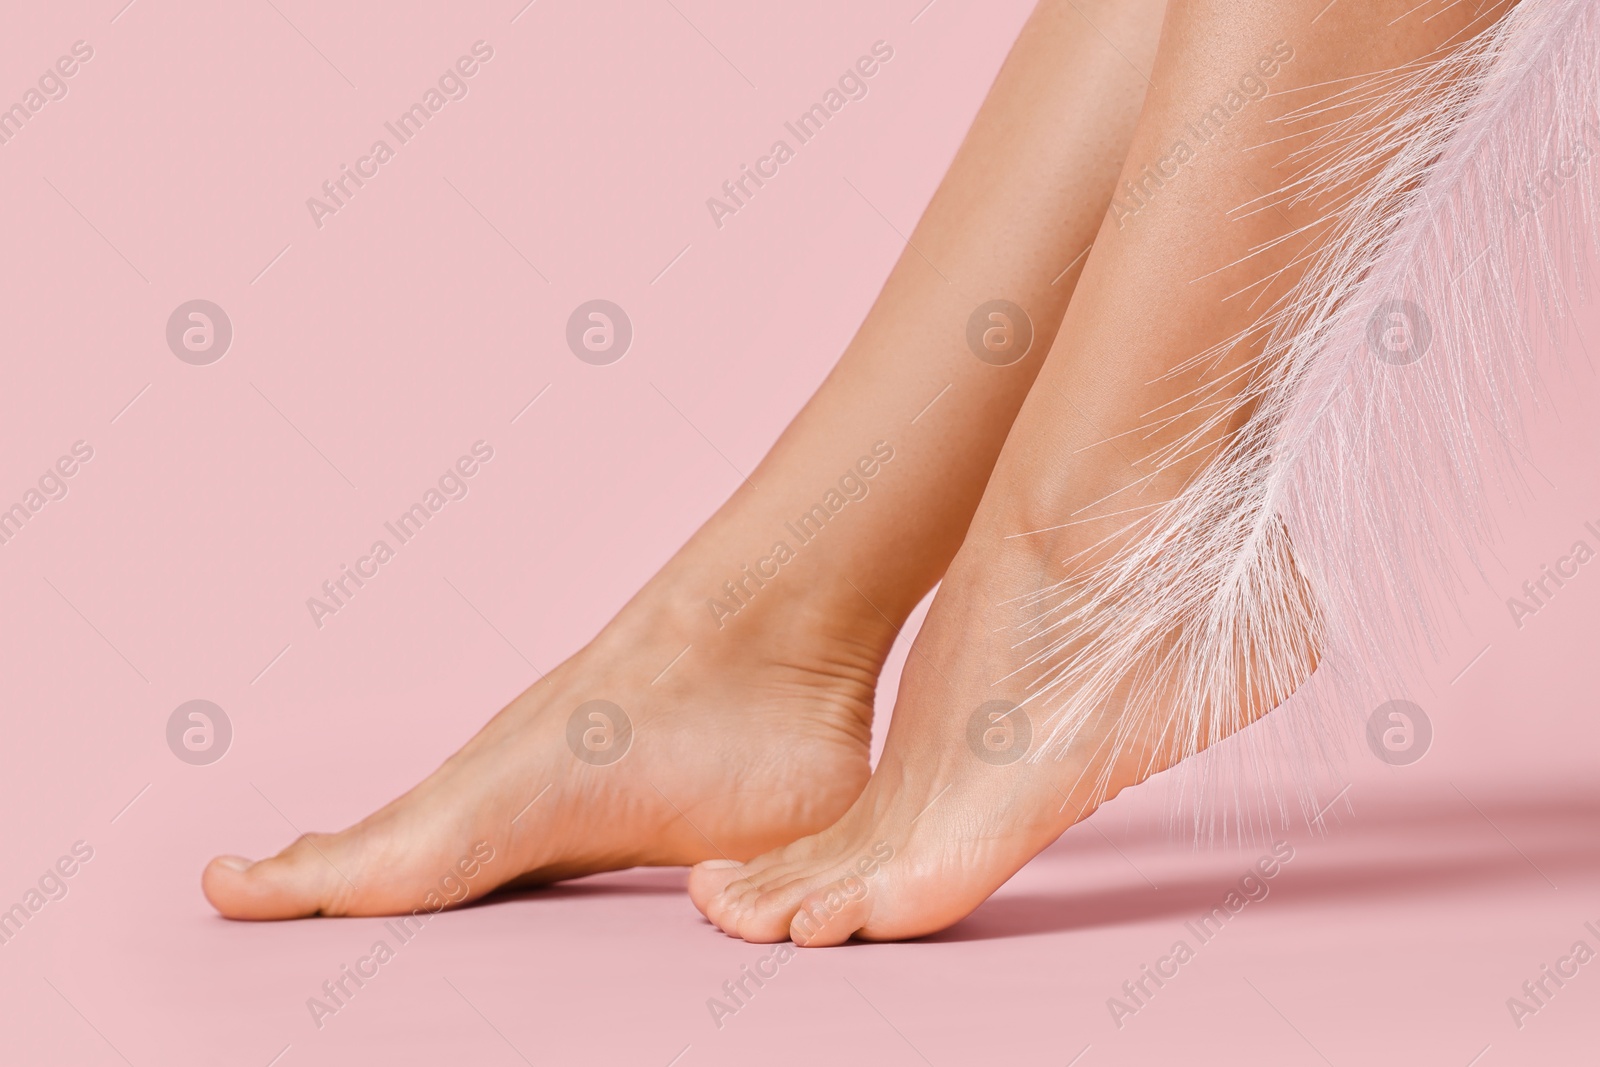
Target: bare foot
954,808
1154,352
1137,396
758,734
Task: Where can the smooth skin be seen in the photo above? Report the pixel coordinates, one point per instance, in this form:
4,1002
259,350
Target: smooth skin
752,730
1159,289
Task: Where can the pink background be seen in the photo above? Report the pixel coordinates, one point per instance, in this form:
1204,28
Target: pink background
415,322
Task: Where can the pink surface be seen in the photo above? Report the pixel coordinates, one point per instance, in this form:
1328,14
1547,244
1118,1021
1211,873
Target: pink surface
372,351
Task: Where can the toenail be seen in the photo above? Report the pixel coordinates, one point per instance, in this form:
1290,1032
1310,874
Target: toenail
234,863
717,865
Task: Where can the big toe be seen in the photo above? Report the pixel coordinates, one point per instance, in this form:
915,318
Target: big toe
708,879
299,881
715,887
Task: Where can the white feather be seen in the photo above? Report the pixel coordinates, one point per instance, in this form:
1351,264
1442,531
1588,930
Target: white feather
1328,520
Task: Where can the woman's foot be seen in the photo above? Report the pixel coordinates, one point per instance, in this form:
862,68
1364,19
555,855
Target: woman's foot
1140,392
759,733
1137,396
955,807
730,741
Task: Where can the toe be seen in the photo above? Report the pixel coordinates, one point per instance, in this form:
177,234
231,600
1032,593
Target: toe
707,880
298,882
716,887
832,915
765,917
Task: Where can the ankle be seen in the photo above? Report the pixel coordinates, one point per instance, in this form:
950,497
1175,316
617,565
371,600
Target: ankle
737,607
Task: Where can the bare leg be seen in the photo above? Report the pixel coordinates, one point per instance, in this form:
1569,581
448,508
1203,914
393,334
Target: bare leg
760,732
938,829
